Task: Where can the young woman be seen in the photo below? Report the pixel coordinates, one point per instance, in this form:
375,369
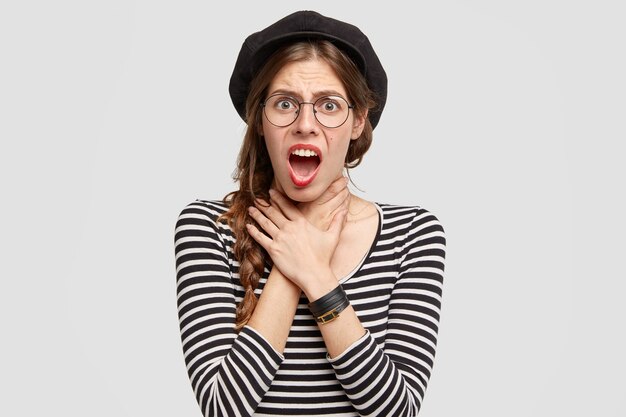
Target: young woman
295,296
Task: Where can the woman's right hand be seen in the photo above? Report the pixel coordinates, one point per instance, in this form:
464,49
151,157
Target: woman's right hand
300,249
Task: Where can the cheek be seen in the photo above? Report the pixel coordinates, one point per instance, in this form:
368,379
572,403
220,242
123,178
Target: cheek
339,150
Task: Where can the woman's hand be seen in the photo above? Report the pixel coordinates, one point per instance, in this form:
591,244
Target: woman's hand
321,211
300,250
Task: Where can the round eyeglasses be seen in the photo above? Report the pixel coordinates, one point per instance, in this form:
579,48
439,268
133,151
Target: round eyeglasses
282,110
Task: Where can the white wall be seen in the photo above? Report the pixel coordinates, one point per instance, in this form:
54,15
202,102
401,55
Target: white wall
505,119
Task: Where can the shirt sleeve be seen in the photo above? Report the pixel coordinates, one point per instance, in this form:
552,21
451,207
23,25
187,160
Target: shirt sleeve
391,380
230,372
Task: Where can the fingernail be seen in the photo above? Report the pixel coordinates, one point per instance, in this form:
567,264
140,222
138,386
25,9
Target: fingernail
272,191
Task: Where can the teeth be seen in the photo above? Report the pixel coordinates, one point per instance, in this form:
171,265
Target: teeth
303,152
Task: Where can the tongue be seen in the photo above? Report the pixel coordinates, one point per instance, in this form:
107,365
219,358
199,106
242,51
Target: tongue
303,166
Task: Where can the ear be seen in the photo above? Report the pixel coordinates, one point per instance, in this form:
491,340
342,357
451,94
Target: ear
359,125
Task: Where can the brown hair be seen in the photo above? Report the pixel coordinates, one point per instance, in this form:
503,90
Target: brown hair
254,170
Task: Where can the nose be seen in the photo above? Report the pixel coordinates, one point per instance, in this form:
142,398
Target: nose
306,123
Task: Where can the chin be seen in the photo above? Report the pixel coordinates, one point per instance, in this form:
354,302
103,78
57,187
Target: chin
302,195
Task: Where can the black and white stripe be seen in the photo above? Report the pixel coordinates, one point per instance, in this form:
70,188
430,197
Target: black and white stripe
396,292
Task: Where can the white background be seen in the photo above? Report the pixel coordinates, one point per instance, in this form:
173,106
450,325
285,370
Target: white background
505,119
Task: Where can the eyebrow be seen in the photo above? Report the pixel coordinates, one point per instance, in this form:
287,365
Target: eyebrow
316,95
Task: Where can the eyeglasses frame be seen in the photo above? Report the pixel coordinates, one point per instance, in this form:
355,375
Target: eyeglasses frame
300,103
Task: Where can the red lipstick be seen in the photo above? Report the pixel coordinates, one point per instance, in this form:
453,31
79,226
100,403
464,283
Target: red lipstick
304,161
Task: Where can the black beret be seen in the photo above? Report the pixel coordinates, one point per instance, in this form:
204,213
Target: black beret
303,25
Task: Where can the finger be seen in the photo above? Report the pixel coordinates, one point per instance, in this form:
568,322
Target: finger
266,224
290,211
272,212
339,221
333,190
261,238
340,183
340,200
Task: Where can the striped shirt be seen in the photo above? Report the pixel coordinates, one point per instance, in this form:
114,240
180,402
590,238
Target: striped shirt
396,293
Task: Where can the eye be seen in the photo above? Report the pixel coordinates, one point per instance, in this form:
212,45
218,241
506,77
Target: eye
284,103
329,104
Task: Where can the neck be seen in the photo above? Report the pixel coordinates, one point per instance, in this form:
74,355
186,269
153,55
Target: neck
358,208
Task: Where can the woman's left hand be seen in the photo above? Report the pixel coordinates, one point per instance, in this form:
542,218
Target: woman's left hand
301,251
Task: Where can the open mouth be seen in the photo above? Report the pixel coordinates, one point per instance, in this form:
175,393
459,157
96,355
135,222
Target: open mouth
304,163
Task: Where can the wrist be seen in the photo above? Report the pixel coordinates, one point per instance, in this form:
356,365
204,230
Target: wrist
329,306
279,280
320,284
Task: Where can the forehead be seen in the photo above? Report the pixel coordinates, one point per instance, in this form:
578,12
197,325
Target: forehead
307,78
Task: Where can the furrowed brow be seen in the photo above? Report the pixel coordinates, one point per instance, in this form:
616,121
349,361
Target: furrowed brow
316,95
